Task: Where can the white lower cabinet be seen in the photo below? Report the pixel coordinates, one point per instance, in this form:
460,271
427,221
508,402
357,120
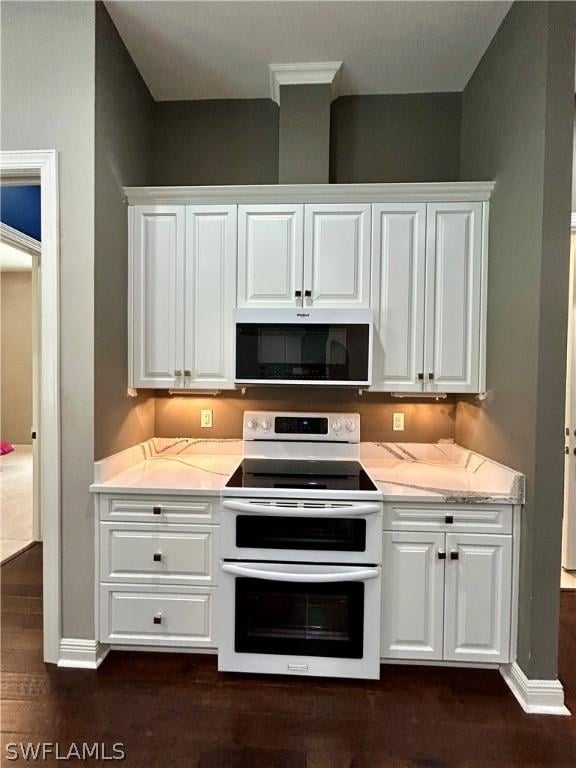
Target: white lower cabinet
158,570
478,597
447,596
412,595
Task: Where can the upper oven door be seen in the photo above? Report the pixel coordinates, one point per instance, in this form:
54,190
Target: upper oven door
303,531
303,346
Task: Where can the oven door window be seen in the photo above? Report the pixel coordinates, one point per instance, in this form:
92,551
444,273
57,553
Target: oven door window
298,619
312,352
305,533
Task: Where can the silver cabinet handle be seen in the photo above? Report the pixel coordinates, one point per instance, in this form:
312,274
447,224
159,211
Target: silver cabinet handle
304,511
303,578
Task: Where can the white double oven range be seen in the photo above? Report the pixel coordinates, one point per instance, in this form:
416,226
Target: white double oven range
301,551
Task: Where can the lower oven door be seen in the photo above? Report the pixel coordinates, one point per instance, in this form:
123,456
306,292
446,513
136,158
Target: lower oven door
289,618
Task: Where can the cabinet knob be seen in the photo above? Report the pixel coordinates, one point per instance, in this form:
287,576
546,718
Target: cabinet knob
157,557
420,376
431,376
308,294
156,510
449,519
297,294
454,555
158,618
177,374
441,555
187,372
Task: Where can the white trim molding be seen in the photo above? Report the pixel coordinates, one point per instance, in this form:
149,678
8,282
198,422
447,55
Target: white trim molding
537,697
573,221
304,73
81,654
42,165
19,240
445,192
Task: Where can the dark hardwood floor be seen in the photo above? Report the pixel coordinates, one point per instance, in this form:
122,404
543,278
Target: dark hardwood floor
176,711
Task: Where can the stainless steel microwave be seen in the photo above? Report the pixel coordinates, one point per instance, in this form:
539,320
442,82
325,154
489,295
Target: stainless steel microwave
304,345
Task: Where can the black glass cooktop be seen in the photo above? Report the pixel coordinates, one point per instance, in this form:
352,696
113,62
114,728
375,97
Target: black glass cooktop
301,474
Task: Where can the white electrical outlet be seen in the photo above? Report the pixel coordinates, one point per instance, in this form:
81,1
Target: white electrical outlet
206,418
398,422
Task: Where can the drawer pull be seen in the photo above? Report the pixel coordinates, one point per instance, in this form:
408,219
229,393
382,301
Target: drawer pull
454,555
449,519
158,618
441,555
157,557
156,510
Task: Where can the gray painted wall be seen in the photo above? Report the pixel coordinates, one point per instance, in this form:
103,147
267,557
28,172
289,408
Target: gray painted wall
517,129
304,141
123,142
229,141
47,79
406,137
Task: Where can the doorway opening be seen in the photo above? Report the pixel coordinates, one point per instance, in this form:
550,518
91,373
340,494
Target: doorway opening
20,259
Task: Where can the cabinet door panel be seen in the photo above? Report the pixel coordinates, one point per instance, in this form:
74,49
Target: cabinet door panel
398,284
270,253
157,272
478,598
453,295
412,595
210,295
337,255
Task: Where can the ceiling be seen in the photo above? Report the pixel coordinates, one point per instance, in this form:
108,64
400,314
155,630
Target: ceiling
221,49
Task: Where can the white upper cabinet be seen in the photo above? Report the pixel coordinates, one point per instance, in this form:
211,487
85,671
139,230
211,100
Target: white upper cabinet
183,282
398,295
270,255
412,595
157,290
337,255
210,294
478,597
454,298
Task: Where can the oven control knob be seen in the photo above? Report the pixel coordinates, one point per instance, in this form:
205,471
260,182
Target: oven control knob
251,423
265,424
351,426
337,426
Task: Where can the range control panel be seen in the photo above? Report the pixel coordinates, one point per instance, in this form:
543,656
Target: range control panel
317,427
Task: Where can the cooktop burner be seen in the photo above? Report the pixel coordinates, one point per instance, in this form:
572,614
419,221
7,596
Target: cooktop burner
320,474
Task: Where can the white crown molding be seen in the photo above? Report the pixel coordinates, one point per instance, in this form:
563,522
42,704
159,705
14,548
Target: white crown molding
19,240
81,654
307,73
447,192
537,697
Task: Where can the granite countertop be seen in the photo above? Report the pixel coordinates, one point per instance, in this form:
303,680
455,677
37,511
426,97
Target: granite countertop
420,472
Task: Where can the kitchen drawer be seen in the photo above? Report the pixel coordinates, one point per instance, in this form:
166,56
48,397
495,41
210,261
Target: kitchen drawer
460,518
159,554
159,509
178,616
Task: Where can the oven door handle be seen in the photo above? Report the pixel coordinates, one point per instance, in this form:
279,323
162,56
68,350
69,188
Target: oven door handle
265,509
304,577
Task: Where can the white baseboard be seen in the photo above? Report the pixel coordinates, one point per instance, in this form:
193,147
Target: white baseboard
537,697
82,654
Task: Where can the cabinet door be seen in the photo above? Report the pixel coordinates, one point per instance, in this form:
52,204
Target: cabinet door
412,595
156,295
478,598
337,255
210,296
453,297
270,255
398,284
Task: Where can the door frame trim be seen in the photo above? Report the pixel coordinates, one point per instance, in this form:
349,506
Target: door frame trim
21,167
